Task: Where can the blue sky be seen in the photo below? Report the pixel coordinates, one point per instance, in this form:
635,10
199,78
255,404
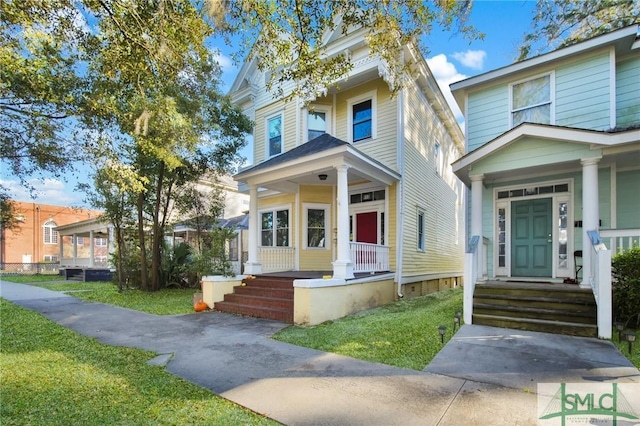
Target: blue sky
451,58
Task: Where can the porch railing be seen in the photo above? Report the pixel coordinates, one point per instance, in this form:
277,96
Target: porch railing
367,257
277,259
620,239
600,283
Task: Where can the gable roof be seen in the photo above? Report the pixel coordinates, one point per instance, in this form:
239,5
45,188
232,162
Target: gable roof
624,40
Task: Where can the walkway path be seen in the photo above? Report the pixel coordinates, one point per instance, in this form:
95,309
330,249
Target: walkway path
483,376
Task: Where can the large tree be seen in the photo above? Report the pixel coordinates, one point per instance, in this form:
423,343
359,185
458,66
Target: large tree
560,23
288,36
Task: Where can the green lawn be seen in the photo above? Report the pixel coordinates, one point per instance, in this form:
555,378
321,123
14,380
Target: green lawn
404,333
54,376
163,302
36,278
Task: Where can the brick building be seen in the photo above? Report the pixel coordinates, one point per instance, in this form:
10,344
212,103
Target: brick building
36,240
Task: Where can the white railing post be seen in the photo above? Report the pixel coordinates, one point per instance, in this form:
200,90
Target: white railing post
470,278
603,296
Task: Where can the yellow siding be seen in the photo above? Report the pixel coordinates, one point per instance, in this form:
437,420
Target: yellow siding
438,196
393,224
316,259
260,129
383,148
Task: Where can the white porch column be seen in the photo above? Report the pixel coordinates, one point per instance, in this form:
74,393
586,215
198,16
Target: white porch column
61,250
75,250
343,266
590,215
476,205
253,266
91,254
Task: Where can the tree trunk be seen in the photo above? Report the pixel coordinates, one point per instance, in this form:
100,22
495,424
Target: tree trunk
144,283
157,235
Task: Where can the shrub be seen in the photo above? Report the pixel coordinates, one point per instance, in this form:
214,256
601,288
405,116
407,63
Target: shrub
626,284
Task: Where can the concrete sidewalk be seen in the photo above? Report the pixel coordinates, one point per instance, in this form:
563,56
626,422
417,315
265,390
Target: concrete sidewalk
483,376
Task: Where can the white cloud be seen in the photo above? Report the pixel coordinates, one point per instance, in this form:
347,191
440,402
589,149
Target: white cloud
47,191
473,59
446,73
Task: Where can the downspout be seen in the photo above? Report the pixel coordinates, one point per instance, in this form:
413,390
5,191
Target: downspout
400,192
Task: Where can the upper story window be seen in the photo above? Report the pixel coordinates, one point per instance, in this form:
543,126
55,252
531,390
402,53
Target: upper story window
274,225
274,140
362,121
362,117
531,101
316,124
100,242
437,158
50,236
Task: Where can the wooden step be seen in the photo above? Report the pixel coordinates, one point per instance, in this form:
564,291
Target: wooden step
582,317
284,315
536,302
282,293
530,324
259,301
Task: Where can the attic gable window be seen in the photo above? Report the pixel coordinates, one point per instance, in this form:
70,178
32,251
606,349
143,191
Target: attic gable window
274,139
531,101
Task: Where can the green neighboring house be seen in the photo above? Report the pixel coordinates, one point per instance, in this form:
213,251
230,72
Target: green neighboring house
552,153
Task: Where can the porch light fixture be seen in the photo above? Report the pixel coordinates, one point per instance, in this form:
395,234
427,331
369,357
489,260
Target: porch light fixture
322,176
442,329
619,326
630,337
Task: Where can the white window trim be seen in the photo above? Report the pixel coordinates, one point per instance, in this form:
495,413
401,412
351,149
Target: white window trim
421,239
374,114
274,210
51,258
552,96
327,225
99,241
316,108
437,154
267,141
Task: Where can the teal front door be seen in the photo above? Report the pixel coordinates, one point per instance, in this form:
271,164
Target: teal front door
531,243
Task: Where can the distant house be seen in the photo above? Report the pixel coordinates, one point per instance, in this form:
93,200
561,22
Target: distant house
37,238
355,186
552,159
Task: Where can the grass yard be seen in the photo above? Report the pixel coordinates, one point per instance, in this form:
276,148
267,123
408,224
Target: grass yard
54,376
404,334
36,278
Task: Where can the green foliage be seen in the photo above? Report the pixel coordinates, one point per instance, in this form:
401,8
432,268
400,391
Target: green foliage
178,267
289,37
53,376
403,333
626,283
561,23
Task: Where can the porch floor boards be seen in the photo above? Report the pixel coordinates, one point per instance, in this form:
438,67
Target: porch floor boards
547,307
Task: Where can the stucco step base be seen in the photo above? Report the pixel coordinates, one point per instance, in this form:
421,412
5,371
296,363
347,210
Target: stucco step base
585,316
284,315
545,326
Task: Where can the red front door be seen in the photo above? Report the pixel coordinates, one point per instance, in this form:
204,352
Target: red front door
367,227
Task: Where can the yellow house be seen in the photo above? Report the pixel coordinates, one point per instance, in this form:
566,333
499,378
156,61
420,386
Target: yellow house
354,188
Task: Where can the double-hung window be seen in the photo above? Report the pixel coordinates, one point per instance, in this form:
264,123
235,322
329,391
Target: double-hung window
316,124
274,140
531,101
316,217
274,228
362,121
420,228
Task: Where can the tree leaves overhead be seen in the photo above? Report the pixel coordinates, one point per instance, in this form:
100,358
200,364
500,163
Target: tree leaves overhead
561,23
288,36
